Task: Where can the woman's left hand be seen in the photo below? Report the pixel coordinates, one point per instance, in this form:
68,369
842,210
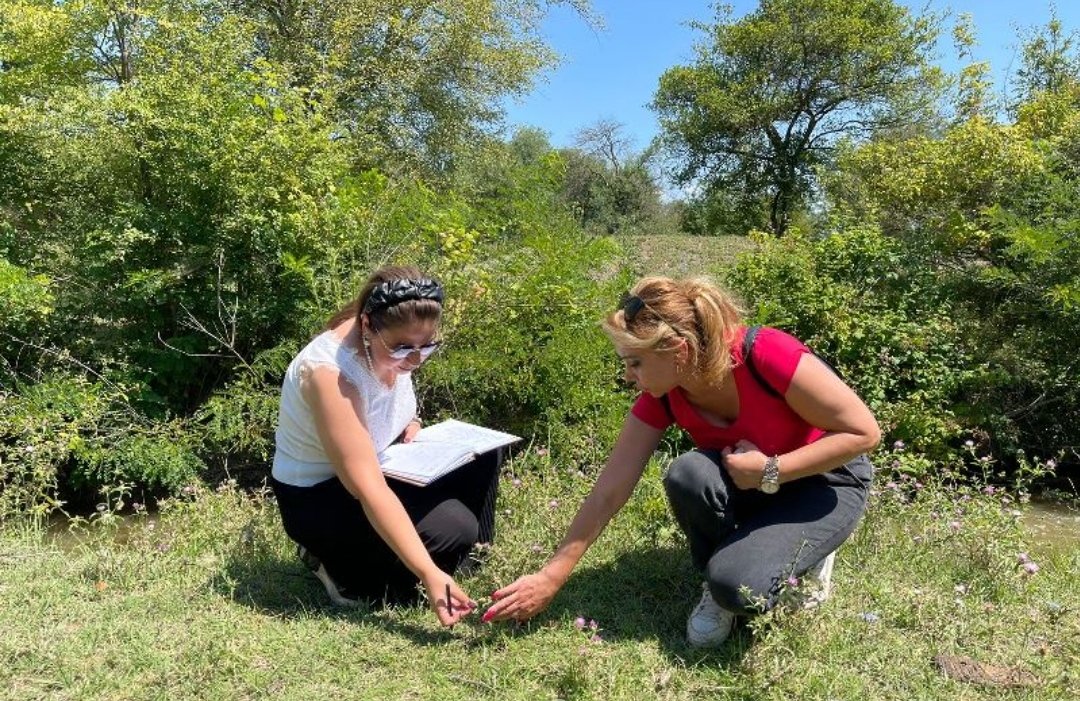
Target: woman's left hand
410,431
745,463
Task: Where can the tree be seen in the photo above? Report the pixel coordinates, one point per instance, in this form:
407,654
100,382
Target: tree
609,185
1049,62
411,80
769,94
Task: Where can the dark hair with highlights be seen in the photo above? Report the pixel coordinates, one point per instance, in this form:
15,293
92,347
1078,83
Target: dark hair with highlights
397,314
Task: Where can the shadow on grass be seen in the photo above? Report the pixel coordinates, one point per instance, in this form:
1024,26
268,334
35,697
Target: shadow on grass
285,588
645,594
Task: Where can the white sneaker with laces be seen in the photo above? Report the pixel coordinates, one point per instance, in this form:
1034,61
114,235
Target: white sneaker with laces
709,625
822,572
337,597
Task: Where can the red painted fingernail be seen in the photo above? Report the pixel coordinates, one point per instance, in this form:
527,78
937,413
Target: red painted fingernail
487,617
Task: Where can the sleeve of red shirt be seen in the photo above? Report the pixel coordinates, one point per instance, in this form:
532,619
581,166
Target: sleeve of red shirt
776,355
650,410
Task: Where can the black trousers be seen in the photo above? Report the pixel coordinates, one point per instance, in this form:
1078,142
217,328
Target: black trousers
451,515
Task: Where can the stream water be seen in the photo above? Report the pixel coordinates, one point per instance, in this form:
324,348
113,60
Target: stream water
1052,525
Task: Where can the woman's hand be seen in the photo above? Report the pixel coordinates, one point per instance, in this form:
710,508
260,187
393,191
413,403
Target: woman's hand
459,605
410,431
745,463
523,599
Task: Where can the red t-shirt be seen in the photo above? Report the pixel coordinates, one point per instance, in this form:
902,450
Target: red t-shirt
764,420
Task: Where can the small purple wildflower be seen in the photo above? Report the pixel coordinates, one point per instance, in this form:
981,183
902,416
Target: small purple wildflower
1031,567
954,526
536,548
869,616
1051,463
989,489
554,503
593,625
1021,558
890,485
579,623
516,482
596,639
542,452
898,445
792,581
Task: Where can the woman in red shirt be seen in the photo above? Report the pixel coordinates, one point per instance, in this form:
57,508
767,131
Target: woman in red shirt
779,478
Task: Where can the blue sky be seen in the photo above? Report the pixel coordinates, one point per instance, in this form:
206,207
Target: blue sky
612,73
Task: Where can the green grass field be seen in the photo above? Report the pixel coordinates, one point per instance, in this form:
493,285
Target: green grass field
205,600
682,256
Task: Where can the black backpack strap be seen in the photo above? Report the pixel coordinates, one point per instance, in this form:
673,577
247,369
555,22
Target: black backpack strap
748,360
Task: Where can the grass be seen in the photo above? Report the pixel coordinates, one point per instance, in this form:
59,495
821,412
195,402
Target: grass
205,600
676,255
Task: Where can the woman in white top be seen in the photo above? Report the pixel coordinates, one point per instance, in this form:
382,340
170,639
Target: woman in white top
346,397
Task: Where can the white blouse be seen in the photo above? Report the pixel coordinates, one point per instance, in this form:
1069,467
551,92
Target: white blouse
299,458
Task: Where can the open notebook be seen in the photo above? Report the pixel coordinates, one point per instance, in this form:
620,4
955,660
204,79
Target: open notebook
439,449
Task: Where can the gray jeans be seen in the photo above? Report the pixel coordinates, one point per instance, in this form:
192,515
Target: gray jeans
746,541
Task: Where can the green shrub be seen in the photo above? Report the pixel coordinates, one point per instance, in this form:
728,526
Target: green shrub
525,350
66,436
886,328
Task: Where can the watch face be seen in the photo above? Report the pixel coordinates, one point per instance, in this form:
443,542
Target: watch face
770,487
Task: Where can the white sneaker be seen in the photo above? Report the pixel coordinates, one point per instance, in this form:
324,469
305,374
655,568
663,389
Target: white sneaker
822,573
709,625
336,594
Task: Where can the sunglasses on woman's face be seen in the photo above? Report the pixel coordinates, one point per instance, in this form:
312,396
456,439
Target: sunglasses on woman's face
402,351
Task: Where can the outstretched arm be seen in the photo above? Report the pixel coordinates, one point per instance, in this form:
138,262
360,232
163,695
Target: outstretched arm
531,594
345,438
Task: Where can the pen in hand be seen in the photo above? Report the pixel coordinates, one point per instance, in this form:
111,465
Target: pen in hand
449,608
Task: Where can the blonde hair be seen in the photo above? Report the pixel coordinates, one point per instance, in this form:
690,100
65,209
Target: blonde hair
693,309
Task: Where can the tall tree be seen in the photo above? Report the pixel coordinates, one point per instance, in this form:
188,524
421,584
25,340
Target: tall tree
412,80
768,94
1049,62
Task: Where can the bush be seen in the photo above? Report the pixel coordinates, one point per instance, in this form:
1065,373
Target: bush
67,437
525,351
851,298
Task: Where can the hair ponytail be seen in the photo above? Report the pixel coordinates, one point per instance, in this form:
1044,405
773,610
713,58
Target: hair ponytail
666,310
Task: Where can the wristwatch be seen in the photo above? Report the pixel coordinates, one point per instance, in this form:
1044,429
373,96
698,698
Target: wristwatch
770,476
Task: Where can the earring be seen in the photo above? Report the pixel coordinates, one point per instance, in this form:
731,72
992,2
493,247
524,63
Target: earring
367,352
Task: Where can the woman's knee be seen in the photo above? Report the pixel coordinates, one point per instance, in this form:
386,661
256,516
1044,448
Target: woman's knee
449,527
689,475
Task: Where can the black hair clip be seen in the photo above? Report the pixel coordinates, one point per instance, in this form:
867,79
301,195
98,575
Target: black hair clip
631,306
